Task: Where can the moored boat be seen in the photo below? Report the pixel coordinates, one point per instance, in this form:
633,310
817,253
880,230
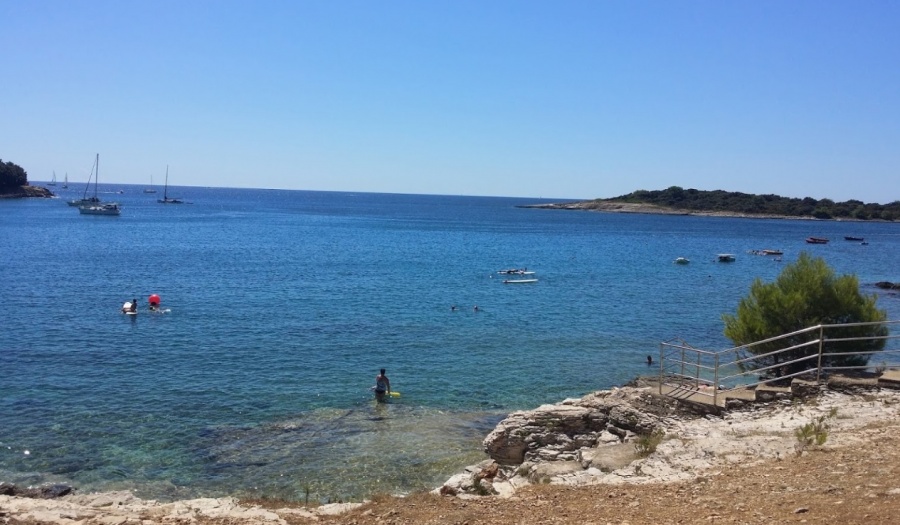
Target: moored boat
772,252
849,238
519,281
93,201
107,208
725,257
816,240
682,260
515,271
166,199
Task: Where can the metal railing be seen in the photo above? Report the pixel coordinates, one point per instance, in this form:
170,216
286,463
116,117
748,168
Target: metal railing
685,371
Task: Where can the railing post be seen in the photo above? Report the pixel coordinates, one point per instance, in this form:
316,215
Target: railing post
716,379
697,373
661,367
821,350
681,379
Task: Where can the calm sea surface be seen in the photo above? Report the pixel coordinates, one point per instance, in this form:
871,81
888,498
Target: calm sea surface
284,305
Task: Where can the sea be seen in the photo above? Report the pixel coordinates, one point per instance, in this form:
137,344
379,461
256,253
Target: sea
280,307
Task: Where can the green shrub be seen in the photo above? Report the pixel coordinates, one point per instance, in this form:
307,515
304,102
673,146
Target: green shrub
646,444
813,433
806,293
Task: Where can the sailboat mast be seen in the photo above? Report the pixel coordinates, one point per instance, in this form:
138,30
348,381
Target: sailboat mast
86,188
97,177
166,187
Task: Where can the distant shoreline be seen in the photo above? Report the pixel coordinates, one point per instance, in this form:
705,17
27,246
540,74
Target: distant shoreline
653,209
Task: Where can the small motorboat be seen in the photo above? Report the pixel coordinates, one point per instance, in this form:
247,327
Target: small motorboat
519,281
110,208
848,238
772,252
682,260
725,257
515,271
816,240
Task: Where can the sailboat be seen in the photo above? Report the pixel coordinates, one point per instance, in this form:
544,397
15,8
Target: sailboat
93,206
150,189
66,181
166,199
85,200
52,181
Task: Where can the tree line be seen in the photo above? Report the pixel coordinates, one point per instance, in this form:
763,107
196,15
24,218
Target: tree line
736,202
12,176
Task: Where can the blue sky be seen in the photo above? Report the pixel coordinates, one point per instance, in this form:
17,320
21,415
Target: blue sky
514,98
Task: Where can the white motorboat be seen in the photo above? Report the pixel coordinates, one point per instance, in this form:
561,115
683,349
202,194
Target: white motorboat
107,208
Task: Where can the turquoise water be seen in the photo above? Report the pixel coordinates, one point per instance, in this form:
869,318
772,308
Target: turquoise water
284,305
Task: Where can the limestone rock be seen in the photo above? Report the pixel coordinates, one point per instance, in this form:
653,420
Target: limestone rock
546,426
544,472
607,458
557,432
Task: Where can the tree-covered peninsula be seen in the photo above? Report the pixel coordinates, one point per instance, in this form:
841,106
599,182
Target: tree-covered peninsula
14,183
690,201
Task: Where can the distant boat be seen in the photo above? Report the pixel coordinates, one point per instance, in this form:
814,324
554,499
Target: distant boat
166,199
150,189
848,238
682,260
85,200
53,180
725,257
519,281
515,272
66,181
772,252
817,240
109,208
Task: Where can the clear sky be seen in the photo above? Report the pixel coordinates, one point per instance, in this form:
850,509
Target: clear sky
557,99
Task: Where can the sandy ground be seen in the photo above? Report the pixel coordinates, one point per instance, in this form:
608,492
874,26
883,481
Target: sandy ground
745,467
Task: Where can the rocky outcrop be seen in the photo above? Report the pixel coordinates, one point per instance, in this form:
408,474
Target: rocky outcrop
594,434
25,191
559,432
603,437
887,285
54,490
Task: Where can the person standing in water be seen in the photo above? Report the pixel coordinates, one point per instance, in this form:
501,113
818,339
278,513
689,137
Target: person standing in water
382,386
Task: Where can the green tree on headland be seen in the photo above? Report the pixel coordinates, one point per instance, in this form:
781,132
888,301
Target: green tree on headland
806,293
735,202
12,175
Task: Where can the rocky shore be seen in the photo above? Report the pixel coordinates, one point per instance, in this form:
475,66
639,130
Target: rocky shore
22,192
629,207
626,437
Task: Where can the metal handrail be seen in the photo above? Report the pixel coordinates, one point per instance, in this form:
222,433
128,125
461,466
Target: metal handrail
682,364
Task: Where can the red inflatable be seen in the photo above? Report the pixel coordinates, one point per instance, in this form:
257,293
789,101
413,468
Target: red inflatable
154,300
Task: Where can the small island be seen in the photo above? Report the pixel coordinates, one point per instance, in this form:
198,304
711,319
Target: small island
14,183
679,201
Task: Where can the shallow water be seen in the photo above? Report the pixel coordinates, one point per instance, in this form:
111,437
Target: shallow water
284,304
